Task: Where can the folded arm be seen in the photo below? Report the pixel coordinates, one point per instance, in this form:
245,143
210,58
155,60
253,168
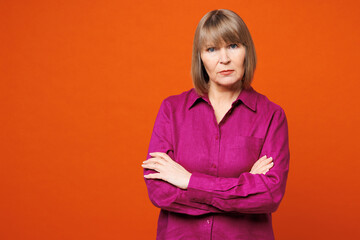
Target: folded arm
197,194
249,193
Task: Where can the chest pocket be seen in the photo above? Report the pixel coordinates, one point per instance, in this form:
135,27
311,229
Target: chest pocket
248,142
242,153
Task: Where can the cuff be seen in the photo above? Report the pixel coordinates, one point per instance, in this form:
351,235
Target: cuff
199,188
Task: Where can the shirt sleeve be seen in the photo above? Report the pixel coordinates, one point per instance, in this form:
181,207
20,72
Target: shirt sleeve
249,193
161,193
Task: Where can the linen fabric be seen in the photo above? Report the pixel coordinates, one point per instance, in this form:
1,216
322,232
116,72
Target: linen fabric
223,200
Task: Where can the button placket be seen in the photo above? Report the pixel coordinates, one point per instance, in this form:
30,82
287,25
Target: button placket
218,142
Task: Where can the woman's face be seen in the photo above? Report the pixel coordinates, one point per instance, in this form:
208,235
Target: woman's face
224,64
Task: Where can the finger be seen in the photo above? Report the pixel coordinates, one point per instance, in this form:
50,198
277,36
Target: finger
153,176
161,155
154,160
265,172
258,161
263,163
265,168
157,154
150,166
154,157
153,165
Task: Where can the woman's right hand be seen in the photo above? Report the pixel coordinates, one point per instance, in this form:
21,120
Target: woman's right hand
262,166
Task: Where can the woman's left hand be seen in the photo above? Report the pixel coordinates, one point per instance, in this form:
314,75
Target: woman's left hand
167,170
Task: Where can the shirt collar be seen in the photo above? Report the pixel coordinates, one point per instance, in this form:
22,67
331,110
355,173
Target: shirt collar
246,96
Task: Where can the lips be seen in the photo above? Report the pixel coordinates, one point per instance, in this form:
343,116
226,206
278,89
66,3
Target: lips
226,72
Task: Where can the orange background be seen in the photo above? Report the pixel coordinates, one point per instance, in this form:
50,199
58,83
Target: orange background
81,84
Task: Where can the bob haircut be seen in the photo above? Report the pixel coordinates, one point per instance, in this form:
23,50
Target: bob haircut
216,27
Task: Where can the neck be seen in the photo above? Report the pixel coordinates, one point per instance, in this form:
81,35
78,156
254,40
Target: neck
219,95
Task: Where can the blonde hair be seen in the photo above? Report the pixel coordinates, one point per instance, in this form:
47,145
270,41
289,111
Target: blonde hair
216,27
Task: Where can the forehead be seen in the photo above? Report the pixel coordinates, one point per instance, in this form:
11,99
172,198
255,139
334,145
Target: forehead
211,43
218,36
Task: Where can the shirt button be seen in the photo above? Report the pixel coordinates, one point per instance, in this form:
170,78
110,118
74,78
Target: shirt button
208,221
213,165
217,137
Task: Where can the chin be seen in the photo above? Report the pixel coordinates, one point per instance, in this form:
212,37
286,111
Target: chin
229,82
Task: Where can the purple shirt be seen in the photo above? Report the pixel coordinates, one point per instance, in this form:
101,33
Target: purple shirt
223,200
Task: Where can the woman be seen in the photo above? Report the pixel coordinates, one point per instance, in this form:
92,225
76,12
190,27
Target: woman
218,156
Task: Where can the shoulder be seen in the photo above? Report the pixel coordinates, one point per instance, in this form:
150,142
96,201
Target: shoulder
267,106
180,100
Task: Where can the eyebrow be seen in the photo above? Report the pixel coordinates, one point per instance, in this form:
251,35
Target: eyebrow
208,46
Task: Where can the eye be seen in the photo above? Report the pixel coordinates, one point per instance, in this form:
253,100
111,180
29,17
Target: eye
233,45
210,49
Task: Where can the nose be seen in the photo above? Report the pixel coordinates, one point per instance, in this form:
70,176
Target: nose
224,57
